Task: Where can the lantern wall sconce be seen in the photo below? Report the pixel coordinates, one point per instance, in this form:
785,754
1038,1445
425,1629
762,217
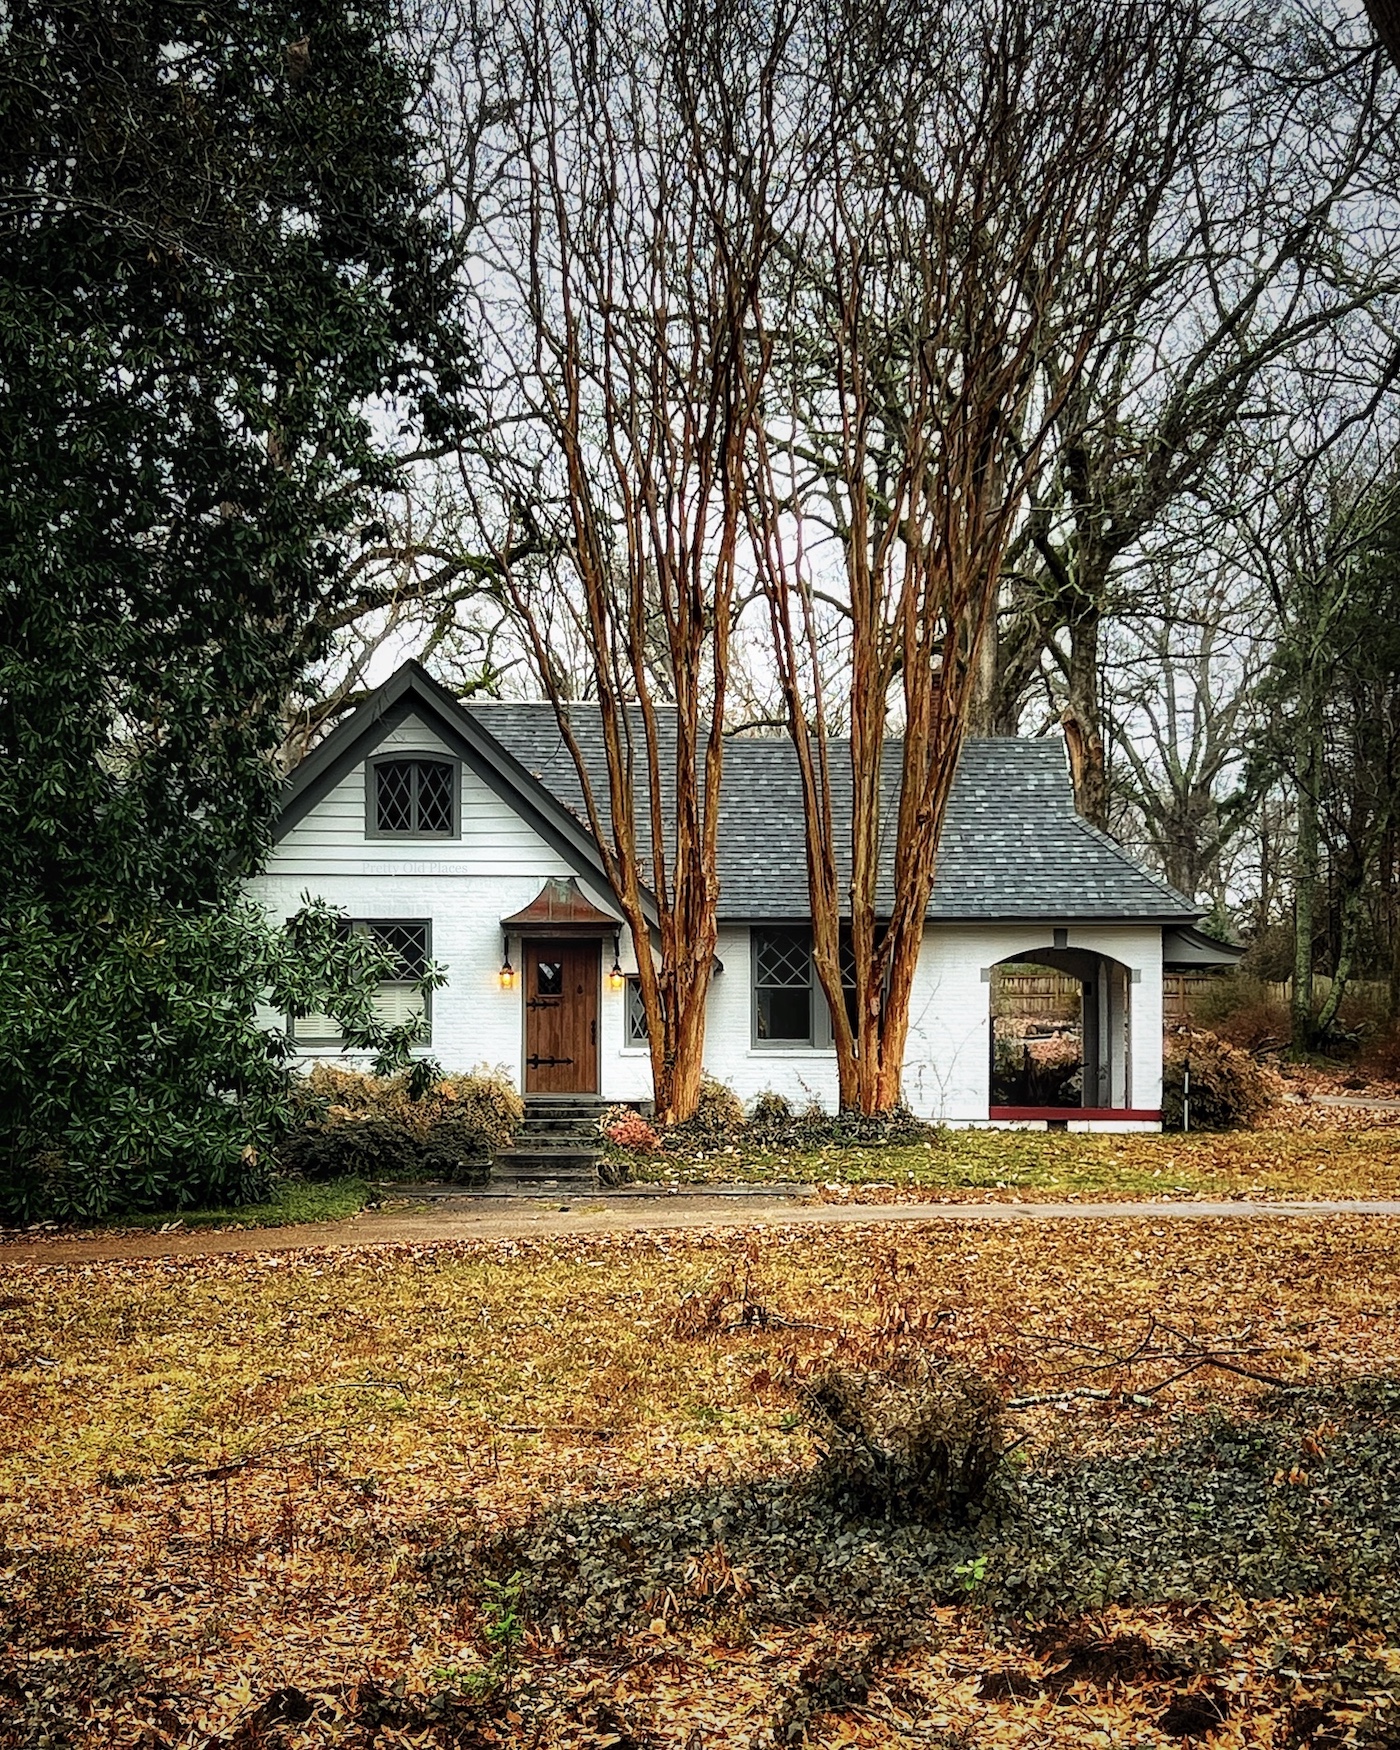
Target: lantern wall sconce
616,976
507,972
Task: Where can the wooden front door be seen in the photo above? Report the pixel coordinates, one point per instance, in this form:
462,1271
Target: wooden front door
561,1017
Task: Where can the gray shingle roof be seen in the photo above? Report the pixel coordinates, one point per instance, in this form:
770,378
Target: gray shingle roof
1013,846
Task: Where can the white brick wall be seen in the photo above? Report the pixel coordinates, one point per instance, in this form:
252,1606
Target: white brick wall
466,886
948,1064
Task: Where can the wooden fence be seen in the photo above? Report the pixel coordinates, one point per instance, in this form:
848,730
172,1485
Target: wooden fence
1055,995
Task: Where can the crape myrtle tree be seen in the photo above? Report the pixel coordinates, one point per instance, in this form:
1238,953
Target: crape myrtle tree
646,154
925,347
224,293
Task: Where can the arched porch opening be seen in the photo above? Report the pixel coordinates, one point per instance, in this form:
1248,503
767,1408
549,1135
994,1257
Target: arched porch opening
1061,1046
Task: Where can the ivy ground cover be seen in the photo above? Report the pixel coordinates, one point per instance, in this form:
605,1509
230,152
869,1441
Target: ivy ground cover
560,1493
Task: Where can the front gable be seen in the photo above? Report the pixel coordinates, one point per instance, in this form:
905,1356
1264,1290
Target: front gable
506,822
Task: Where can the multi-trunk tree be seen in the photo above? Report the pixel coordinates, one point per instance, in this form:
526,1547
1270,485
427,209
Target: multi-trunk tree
646,152
983,164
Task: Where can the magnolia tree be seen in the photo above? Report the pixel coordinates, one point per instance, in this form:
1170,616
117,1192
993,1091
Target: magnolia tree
218,256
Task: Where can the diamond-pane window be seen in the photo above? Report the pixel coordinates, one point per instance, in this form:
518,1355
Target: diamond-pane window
549,977
408,943
398,997
637,1033
415,798
785,959
434,797
783,986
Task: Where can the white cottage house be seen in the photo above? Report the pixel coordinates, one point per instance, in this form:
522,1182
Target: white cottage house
456,832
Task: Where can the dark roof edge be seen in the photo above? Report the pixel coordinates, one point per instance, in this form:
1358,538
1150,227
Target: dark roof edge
1183,907
1049,919
389,705
1184,946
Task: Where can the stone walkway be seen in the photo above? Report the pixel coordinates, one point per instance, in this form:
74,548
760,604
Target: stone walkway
1365,1101
493,1219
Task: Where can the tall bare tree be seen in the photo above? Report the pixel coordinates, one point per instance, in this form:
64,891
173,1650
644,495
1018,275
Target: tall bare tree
1184,659
1272,242
1326,546
646,147
996,156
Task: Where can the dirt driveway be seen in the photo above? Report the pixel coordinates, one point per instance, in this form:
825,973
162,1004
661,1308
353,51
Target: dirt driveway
483,1219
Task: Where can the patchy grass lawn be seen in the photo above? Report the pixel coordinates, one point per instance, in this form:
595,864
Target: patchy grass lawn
559,1493
291,1202
1361,1162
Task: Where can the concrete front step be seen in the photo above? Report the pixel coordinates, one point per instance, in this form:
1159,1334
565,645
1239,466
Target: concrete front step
575,1137
565,1103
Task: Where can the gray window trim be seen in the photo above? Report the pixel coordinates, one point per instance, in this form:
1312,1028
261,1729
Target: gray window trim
633,991
390,756
819,1031
365,924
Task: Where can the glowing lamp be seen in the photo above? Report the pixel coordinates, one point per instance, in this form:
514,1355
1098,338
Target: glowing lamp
616,977
507,972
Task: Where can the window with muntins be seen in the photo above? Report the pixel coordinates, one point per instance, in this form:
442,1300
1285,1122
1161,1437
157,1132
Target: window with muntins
414,798
397,998
637,1033
782,987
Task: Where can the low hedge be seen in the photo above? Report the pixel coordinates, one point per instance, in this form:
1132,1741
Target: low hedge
424,1125
772,1122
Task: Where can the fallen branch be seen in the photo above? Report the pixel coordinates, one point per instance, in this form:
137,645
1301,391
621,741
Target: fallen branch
230,1467
1084,1391
554,1428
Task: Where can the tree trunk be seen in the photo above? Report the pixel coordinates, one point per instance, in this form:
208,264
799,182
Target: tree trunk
1305,869
1083,723
1392,1006
1346,954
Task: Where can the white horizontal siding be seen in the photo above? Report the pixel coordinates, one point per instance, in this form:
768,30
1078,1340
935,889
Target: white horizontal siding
330,840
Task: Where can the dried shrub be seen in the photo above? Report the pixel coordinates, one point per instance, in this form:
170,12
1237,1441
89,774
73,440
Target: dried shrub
1243,1011
720,1109
770,1109
1228,1088
1381,1060
723,1303
399,1127
717,1118
920,1437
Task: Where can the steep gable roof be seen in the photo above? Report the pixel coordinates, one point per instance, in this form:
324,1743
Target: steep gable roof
412,692
1013,846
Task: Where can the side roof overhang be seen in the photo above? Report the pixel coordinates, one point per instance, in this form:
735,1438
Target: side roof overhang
1187,949
412,692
